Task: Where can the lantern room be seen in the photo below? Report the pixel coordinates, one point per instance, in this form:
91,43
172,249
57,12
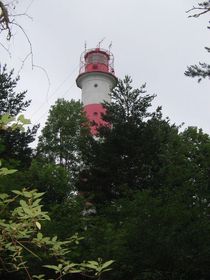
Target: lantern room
97,60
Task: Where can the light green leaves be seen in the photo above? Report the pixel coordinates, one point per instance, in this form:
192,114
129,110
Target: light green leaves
5,171
38,225
98,266
90,267
8,122
5,120
21,239
23,120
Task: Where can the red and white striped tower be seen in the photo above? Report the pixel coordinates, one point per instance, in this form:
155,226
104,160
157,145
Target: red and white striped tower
96,79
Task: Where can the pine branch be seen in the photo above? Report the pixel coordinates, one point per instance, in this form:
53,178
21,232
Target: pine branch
201,9
202,71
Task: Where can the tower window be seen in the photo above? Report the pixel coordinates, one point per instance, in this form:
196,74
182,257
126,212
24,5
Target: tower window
95,85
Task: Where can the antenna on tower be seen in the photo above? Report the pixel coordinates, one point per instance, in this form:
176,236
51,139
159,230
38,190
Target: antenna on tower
85,45
99,44
110,45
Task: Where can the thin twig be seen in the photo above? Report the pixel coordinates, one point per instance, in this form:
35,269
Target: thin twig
29,6
194,8
88,276
4,266
30,54
6,49
7,21
199,14
24,14
47,76
29,42
26,270
204,9
23,62
28,250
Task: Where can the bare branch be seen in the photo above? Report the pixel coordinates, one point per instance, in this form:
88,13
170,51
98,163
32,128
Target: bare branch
6,49
4,20
29,42
29,6
24,15
47,76
23,62
203,7
199,14
7,21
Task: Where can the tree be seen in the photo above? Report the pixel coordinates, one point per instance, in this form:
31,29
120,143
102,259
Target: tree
127,155
202,70
51,179
153,236
150,186
160,231
5,20
22,240
63,135
14,144
9,23
11,102
201,9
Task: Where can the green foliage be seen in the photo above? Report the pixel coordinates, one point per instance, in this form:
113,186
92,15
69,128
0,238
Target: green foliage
128,156
14,143
63,135
98,266
11,123
201,9
11,102
14,147
128,105
142,151
52,179
20,235
21,239
138,193
202,70
164,236
5,171
150,186
10,126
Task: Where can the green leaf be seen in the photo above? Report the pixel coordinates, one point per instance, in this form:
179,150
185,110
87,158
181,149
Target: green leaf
23,120
36,195
3,196
106,264
40,276
39,236
6,118
54,239
38,225
4,171
54,267
91,265
17,192
23,203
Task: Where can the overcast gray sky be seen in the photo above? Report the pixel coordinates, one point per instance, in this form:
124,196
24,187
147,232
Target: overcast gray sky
153,41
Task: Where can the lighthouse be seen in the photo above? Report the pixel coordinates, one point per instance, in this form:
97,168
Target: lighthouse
96,79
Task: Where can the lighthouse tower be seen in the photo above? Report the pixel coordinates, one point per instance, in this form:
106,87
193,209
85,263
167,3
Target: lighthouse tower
96,79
